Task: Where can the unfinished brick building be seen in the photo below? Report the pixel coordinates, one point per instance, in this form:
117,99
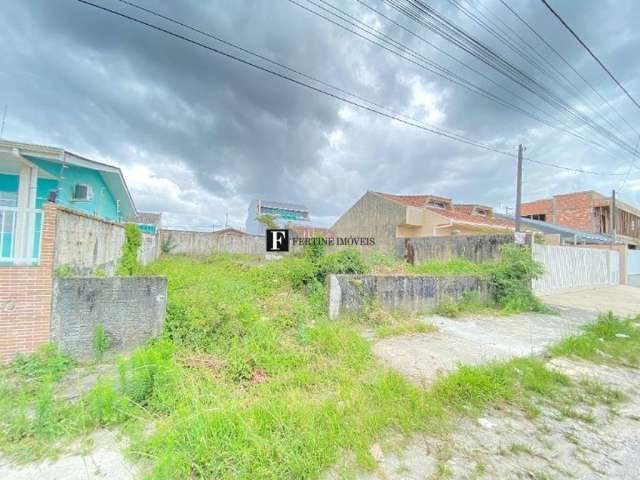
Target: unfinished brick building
587,211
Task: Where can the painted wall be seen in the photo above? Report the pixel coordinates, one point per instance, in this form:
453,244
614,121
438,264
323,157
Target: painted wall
103,204
567,268
372,216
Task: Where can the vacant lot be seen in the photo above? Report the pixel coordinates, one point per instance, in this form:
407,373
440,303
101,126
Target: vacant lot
250,380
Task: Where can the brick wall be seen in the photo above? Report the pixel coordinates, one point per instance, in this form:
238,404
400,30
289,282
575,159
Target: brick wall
574,210
25,297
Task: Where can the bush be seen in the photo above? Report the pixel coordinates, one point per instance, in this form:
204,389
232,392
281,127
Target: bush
343,261
314,250
132,241
511,278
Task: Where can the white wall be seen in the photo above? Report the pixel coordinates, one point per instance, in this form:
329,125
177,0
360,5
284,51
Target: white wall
567,268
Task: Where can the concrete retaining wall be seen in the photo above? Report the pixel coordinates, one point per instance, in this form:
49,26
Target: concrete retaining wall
206,243
86,243
131,309
475,248
349,293
567,268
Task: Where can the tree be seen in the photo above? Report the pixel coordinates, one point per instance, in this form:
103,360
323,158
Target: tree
267,220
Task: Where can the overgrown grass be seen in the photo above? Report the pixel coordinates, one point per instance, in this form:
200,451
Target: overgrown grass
251,380
454,266
610,340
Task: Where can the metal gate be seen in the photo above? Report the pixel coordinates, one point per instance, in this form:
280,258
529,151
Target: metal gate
633,268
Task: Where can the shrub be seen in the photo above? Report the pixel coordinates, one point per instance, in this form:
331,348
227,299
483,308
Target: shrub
342,261
314,250
511,278
132,241
45,364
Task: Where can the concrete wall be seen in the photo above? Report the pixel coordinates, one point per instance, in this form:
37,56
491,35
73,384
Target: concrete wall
372,216
477,248
350,293
131,309
206,243
25,297
87,243
567,268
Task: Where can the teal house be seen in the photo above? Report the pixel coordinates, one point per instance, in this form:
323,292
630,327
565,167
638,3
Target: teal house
31,175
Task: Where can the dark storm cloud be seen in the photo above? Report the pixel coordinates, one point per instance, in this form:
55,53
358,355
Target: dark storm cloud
199,135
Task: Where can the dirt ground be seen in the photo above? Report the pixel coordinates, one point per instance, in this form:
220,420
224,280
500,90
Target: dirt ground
601,442
97,458
505,444
476,339
620,299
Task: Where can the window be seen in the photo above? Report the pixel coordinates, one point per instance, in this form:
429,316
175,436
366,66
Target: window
436,204
8,199
538,216
482,212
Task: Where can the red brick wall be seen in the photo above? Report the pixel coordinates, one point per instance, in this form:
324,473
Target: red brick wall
539,207
574,210
25,297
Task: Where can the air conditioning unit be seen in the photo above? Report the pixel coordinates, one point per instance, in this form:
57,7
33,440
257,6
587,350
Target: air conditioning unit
82,192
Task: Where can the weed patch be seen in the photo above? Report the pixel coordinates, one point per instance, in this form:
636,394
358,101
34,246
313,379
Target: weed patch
609,340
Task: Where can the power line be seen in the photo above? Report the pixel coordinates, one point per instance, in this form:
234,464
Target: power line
436,131
447,29
440,132
566,62
434,67
584,45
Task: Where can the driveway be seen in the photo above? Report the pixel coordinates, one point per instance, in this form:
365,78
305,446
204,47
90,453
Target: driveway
620,299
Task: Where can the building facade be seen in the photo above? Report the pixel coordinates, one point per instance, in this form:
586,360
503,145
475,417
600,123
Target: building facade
588,212
388,217
31,175
283,213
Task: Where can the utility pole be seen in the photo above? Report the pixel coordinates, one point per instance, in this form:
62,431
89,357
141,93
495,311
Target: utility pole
613,217
4,116
519,187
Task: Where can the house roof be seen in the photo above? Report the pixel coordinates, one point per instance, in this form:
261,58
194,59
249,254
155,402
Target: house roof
112,176
230,231
413,200
308,232
457,213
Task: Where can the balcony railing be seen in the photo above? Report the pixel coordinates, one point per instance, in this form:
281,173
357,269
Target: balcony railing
20,236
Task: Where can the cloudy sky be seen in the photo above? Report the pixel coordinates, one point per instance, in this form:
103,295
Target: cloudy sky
199,135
